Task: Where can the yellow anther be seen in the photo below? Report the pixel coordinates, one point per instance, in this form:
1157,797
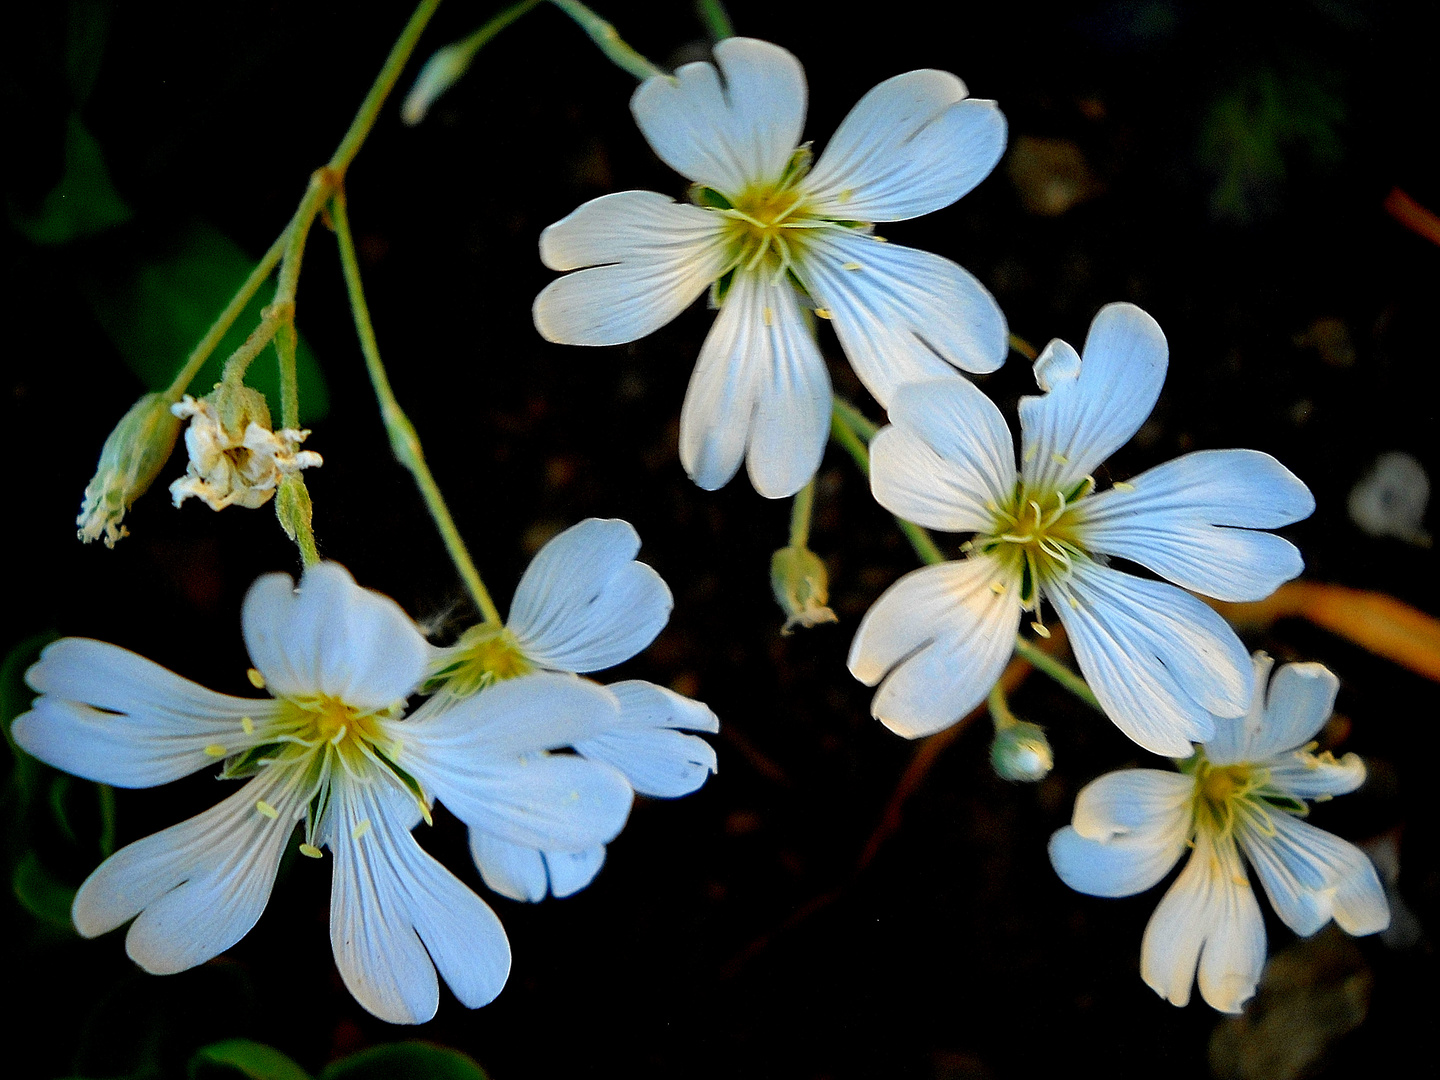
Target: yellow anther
266,809
845,196
247,725
215,750
1040,628
997,588
880,239
256,679
1074,604
360,830
1121,485
1059,458
311,851
850,266
769,316
823,313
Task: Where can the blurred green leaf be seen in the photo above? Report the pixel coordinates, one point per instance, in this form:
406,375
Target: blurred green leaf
86,29
59,789
15,698
254,1060
157,310
405,1061
40,894
83,203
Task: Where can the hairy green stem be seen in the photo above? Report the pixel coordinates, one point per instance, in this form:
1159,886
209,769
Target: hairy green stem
607,39
403,438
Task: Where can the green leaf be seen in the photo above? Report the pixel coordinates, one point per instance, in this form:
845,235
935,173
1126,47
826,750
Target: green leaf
252,1059
40,894
83,203
405,1061
156,310
15,698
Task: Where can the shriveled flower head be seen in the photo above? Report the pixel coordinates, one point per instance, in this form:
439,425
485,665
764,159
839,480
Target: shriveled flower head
133,455
773,236
1162,663
331,749
235,459
1244,791
583,604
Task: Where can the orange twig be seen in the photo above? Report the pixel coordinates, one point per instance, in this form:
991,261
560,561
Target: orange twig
1412,215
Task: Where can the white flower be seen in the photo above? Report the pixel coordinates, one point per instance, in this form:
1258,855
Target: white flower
1160,661
329,748
583,604
1244,791
241,465
763,222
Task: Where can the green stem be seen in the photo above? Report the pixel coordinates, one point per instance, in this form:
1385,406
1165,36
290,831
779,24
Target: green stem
1023,347
800,511
608,40
469,46
1000,709
403,437
716,19
1047,664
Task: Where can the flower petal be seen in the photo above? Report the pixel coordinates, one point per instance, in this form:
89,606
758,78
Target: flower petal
396,915
114,717
913,144
197,887
1179,520
1119,867
730,128
760,382
332,637
1085,417
528,875
1162,663
1312,876
1306,776
944,457
1209,915
943,635
645,258
1129,828
1284,715
901,314
657,759
584,603
571,871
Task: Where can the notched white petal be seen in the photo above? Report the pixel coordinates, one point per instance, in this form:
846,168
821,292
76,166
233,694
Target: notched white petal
647,744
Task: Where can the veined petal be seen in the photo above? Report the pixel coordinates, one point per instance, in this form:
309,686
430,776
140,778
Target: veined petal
1120,867
1162,663
640,260
939,637
730,128
528,875
1129,828
584,603
1210,917
760,383
332,637
1229,743
1084,418
571,871
114,717
645,745
1306,776
901,314
1312,876
396,915
1190,520
541,711
945,459
913,144
197,887
1285,714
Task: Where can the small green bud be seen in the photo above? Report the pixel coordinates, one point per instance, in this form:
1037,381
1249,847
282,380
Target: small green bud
801,586
133,456
1021,752
442,71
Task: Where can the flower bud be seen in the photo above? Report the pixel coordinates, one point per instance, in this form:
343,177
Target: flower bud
133,456
442,71
1021,752
801,587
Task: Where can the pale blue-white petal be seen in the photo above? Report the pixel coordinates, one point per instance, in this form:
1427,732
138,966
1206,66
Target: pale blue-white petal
729,128
1162,663
571,871
1129,828
1190,520
761,384
584,603
939,637
1081,421
332,637
512,870
655,757
945,459
1119,867
114,717
902,315
1312,876
1208,917
640,259
397,915
1306,776
541,711
1229,743
197,887
913,144
1299,700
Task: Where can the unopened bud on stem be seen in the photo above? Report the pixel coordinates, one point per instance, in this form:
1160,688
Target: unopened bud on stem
1021,752
133,456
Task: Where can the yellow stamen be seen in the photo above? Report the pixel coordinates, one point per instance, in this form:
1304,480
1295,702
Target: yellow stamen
215,750
256,679
311,851
266,809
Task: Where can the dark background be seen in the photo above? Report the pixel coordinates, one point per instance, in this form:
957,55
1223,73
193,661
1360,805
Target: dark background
1227,164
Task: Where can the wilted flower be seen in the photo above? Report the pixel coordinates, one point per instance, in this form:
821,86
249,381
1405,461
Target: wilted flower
133,455
330,748
1160,661
235,459
801,585
773,237
1245,790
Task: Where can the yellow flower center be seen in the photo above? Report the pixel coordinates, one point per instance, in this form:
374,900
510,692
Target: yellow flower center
767,227
484,655
1036,537
1227,794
